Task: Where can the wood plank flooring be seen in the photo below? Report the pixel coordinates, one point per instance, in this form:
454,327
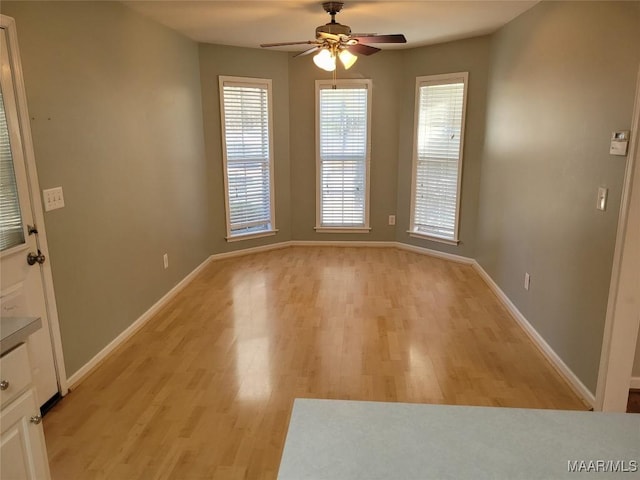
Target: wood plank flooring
205,389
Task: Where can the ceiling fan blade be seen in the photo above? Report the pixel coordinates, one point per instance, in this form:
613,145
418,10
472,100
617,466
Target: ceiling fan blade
308,42
395,38
362,49
307,52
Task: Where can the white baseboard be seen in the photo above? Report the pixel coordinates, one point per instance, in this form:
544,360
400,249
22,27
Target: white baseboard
434,253
88,367
574,382
383,244
341,243
567,374
635,383
79,375
248,251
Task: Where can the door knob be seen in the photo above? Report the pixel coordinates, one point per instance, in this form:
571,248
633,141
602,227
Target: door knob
36,419
32,258
4,384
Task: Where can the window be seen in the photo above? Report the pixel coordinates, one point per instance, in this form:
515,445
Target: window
437,156
11,230
343,152
247,156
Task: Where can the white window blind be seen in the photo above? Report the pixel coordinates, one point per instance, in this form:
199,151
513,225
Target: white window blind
438,155
11,231
246,116
343,149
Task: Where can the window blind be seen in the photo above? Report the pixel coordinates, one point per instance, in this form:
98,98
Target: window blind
438,157
248,157
11,231
343,151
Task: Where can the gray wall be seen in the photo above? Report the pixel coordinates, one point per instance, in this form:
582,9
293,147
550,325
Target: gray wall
562,78
384,70
462,56
216,60
117,122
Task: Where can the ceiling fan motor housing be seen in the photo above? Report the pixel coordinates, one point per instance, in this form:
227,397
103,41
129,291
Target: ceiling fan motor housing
333,29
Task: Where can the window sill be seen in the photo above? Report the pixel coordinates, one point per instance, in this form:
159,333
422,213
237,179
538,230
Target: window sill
342,229
247,236
433,238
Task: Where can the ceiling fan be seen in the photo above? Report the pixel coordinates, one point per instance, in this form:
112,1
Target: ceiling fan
336,40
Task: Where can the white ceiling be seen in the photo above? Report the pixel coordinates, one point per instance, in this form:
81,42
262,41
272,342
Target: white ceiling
250,23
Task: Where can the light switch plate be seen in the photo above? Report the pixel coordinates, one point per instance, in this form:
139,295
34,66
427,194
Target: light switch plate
618,148
602,198
53,198
619,143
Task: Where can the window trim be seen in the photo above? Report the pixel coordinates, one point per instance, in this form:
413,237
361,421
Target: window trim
250,82
438,80
345,83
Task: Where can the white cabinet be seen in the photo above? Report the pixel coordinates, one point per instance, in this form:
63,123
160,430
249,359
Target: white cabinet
23,453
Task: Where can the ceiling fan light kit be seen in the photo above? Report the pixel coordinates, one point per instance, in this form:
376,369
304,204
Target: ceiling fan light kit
336,40
347,58
325,60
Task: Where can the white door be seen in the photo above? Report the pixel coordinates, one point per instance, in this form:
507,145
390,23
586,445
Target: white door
21,285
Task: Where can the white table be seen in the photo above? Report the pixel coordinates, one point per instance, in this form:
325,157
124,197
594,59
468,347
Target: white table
336,439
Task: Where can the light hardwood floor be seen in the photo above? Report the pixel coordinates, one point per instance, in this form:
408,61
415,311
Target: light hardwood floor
205,389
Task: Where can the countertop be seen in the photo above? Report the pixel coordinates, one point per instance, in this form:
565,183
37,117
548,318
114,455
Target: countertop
15,330
336,439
